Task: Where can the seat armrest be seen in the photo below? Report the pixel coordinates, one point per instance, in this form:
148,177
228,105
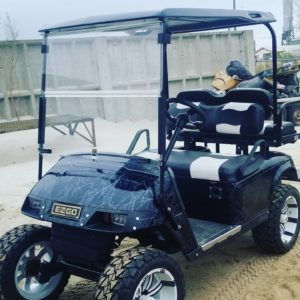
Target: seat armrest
252,163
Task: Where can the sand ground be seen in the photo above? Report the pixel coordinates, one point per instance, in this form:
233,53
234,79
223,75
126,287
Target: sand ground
238,270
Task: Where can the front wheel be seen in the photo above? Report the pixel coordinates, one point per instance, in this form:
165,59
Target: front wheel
280,232
141,274
25,260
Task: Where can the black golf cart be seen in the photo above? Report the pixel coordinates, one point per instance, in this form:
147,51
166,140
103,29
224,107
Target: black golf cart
180,197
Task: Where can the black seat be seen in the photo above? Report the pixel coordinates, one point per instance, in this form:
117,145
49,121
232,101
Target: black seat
207,166
204,165
209,97
227,117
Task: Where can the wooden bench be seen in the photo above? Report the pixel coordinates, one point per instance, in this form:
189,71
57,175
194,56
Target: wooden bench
71,122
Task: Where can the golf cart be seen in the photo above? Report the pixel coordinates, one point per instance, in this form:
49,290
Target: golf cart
179,197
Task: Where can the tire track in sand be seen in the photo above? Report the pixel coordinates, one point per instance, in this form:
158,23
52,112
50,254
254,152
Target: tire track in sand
253,270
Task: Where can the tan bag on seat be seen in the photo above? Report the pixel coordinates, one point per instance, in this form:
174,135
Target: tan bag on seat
224,82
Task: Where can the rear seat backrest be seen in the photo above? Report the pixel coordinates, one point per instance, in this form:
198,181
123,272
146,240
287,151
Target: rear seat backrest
233,118
209,97
230,118
258,96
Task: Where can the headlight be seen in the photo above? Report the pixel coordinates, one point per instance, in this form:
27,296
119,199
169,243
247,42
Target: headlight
35,203
118,219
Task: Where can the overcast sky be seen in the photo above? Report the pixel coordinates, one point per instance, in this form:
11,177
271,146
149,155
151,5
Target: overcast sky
31,15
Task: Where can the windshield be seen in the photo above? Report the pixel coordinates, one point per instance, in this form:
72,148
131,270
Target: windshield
101,88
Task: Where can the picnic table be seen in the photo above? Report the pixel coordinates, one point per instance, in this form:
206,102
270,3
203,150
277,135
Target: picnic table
70,122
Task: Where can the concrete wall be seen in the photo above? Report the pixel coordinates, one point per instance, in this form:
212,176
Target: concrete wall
193,61
20,65
195,58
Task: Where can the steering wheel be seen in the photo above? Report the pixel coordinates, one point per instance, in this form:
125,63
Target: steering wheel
193,109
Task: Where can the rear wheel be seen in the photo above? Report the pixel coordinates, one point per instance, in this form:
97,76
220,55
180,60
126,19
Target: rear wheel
141,274
25,262
294,114
279,233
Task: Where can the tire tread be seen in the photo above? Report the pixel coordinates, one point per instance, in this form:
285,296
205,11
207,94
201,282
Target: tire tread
267,235
10,242
119,276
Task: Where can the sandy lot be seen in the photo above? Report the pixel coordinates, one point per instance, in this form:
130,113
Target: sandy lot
238,270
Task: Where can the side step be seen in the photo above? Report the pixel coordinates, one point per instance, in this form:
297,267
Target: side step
208,234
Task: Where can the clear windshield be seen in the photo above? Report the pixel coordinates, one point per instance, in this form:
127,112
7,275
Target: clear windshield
102,87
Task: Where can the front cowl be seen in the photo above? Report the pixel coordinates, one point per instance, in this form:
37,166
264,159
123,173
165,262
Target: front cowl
109,183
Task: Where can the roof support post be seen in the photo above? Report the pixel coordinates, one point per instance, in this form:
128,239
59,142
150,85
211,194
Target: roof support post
276,119
42,106
164,39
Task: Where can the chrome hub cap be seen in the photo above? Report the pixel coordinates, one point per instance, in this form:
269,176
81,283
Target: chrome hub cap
28,272
289,219
156,284
297,115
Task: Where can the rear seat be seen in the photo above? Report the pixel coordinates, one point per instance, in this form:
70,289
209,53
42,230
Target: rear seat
208,97
213,100
229,118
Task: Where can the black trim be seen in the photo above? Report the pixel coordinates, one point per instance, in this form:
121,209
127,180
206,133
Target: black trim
178,19
161,125
44,49
259,219
182,232
293,205
41,134
42,120
46,151
164,38
274,64
288,233
42,107
43,82
162,112
293,220
80,271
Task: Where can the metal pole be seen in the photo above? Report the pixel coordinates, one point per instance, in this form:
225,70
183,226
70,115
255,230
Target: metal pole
42,106
164,94
274,61
234,7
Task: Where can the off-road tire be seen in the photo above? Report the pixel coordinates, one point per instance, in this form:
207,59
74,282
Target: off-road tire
293,114
12,246
267,235
123,274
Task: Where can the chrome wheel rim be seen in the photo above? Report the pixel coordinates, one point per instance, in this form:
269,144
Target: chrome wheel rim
289,219
156,284
297,115
26,280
